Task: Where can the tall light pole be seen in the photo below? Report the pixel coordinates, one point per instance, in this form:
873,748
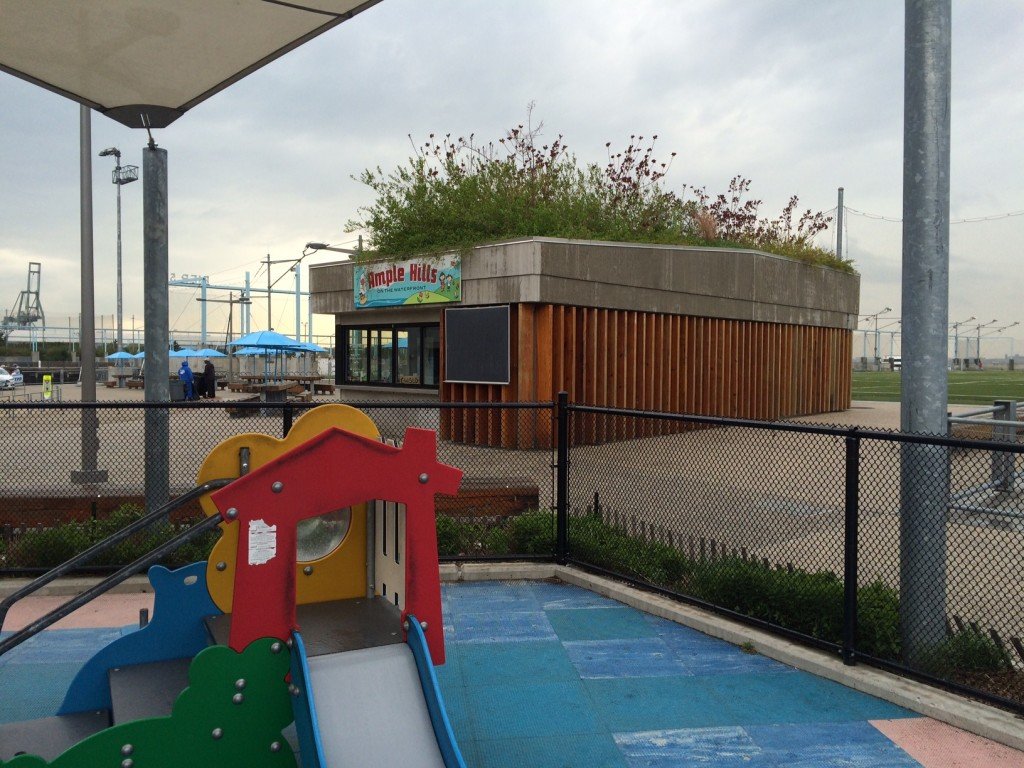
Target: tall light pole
977,345
121,175
875,317
956,341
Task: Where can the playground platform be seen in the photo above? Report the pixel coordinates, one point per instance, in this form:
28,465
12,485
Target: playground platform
543,673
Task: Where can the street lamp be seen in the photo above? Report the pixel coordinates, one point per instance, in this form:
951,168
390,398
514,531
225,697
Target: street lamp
312,247
956,341
121,175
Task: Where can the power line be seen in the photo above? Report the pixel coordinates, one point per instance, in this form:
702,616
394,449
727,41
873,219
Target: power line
969,220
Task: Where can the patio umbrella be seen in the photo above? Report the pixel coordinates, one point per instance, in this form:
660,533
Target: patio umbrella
207,352
185,352
139,356
119,356
266,340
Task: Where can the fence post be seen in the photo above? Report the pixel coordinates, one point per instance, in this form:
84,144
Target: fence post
1003,463
287,427
850,543
562,481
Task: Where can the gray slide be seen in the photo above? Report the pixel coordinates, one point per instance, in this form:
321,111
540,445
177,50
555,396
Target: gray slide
371,709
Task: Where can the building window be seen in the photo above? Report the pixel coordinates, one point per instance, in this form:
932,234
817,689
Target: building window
391,355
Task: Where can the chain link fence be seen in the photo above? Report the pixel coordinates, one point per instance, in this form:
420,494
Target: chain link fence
902,550
73,474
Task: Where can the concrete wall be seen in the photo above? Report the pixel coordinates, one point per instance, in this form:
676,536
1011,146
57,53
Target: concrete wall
679,280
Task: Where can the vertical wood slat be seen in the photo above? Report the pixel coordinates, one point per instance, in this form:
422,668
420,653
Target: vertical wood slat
643,361
544,335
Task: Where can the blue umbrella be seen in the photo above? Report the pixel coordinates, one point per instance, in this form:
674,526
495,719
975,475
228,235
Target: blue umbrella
119,357
266,340
186,352
139,356
207,352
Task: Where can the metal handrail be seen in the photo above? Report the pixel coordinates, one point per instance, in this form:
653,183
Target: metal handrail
108,583
107,543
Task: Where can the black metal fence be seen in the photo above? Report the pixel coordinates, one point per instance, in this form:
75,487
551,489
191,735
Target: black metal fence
73,474
905,551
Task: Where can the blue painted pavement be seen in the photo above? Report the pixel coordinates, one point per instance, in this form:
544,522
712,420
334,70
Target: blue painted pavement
547,675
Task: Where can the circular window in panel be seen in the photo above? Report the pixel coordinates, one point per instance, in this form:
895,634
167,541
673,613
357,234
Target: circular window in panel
317,537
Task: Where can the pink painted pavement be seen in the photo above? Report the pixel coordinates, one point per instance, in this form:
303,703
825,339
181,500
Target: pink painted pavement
110,610
937,745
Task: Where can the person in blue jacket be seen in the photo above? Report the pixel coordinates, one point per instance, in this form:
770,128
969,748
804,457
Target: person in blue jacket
186,378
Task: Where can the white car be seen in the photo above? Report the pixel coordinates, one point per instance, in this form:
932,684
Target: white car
10,380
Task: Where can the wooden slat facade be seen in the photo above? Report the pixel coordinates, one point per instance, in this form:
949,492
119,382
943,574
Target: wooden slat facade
654,362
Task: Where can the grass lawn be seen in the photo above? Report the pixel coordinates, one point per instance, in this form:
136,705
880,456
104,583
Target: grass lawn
965,387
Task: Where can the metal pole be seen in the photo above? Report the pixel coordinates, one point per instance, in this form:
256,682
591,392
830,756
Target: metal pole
203,280
850,546
562,481
270,322
309,314
87,332
157,335
120,325
246,294
298,304
924,470
839,226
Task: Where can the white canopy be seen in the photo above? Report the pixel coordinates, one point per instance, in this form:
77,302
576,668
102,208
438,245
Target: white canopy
145,62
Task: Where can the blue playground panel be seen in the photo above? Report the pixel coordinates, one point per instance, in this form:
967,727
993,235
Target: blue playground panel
543,674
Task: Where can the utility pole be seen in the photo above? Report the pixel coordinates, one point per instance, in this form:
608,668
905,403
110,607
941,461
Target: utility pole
839,226
267,261
230,301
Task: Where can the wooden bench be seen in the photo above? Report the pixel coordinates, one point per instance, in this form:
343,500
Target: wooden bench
244,411
491,497
236,386
111,384
323,389
222,383
135,384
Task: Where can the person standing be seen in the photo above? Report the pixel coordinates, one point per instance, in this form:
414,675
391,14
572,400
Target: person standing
209,379
186,377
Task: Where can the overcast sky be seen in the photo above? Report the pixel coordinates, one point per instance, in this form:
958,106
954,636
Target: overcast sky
801,97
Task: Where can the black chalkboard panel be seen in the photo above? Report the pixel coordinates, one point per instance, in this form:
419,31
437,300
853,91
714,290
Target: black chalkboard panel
476,345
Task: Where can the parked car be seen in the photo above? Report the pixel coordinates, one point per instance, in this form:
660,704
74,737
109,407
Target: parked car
12,379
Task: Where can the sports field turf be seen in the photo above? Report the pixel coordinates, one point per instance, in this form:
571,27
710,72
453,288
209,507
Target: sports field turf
965,387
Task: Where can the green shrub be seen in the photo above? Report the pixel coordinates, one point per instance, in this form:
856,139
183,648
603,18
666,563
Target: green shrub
966,651
455,193
451,537
46,548
878,613
532,533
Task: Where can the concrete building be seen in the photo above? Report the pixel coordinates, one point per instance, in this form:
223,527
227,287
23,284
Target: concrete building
663,328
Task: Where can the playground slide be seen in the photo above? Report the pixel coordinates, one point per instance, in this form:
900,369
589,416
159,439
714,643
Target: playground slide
371,709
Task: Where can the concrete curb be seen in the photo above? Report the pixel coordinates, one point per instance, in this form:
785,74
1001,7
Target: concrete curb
980,719
69,587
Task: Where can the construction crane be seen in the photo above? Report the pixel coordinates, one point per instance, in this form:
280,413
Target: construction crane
28,310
